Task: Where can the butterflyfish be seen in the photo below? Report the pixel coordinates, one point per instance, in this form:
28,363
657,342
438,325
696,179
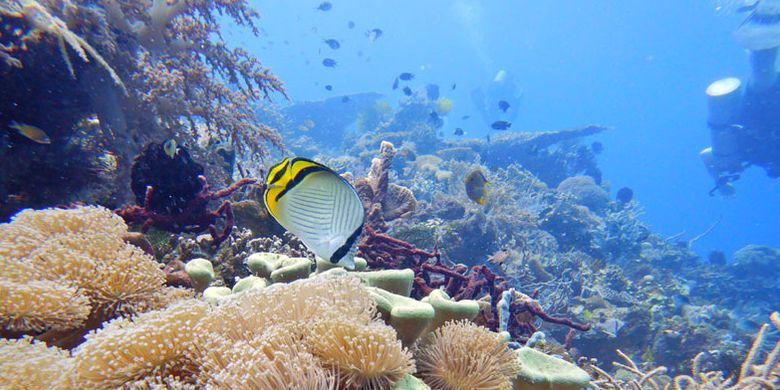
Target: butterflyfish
31,132
476,186
317,205
170,149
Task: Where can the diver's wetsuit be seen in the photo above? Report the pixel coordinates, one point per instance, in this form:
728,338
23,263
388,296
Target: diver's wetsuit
759,139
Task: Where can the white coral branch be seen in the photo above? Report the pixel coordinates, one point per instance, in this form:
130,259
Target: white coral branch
43,21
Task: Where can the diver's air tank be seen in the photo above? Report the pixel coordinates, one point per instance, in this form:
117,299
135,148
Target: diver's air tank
724,100
762,65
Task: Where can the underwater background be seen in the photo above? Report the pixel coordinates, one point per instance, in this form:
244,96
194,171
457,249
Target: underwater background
639,67
375,195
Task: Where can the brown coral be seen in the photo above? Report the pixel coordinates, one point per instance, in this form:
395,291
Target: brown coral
383,201
68,266
153,344
276,358
366,356
27,364
333,315
462,355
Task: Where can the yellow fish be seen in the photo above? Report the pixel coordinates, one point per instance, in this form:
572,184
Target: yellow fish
477,186
170,149
31,132
317,205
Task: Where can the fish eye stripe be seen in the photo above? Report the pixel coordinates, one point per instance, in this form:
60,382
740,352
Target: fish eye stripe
299,178
277,174
344,249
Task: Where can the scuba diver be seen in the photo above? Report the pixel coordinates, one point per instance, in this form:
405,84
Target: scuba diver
744,122
499,100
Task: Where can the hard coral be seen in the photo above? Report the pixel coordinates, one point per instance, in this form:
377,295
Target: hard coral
383,201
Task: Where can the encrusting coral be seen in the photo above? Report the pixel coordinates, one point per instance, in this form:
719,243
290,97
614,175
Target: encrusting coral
461,355
67,270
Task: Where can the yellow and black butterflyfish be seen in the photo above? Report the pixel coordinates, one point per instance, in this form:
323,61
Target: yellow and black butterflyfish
477,186
313,202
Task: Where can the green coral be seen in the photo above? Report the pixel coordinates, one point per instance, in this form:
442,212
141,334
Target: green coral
201,272
448,310
539,371
279,268
409,317
396,281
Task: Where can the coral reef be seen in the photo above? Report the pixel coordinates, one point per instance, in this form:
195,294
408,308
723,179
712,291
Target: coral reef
751,375
461,355
193,218
143,70
382,200
67,270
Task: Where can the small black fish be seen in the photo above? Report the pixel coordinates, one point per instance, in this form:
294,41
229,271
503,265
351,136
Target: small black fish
395,84
432,91
503,105
329,87
487,138
407,91
329,62
325,6
501,125
345,99
351,24
454,85
373,34
596,147
333,44
406,76
459,131
465,117
624,195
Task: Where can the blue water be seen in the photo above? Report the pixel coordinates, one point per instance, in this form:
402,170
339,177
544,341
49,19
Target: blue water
640,67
